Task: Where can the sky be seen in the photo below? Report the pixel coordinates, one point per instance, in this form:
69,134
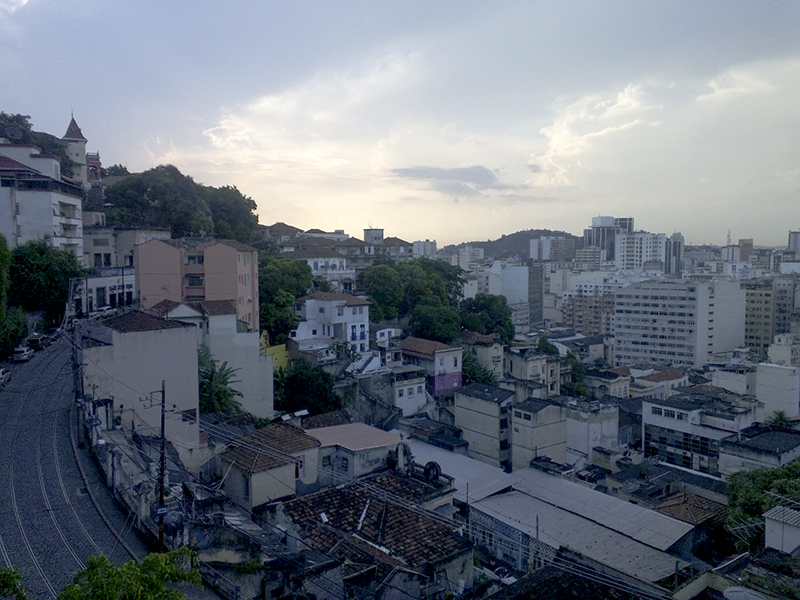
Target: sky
448,120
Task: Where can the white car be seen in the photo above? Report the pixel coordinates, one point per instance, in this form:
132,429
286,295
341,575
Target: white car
21,354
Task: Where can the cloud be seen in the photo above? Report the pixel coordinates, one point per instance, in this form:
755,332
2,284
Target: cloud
460,180
9,6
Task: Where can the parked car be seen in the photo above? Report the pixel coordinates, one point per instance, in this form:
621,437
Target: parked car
21,354
5,376
38,341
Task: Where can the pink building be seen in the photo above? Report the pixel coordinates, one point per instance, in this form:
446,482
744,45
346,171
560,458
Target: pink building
193,270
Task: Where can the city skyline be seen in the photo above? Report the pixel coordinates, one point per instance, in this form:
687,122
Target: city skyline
456,122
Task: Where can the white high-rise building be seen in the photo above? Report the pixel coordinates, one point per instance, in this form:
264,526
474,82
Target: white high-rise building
678,322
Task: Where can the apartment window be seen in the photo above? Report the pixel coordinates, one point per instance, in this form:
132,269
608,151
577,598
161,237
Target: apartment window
194,259
441,362
341,311
345,464
526,416
455,362
670,414
322,309
419,389
300,467
504,423
400,393
517,414
411,391
681,416
326,462
657,411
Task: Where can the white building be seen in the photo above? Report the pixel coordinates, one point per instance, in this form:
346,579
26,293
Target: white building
425,248
36,201
483,413
678,322
328,317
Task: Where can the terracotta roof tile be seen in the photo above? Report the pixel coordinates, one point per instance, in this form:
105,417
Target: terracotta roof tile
422,346
268,447
662,376
136,321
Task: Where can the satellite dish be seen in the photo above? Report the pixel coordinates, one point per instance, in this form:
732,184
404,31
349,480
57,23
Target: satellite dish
13,132
630,486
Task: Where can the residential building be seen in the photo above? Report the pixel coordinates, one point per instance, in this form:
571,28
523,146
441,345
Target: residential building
409,389
328,317
602,383
778,389
271,463
352,450
130,359
426,248
759,316
590,425
37,202
105,247
785,350
640,250
441,363
488,350
603,234
538,428
557,249
663,384
589,314
197,270
327,265
761,446
680,322
527,369
359,523
218,330
686,429
482,412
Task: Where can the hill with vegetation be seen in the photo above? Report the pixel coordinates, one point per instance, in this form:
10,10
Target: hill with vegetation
514,245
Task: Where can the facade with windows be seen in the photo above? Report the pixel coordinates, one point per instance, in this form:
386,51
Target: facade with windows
329,317
441,363
678,322
483,413
686,429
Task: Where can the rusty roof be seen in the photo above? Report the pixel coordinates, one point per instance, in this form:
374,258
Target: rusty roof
348,299
355,513
415,345
661,376
268,447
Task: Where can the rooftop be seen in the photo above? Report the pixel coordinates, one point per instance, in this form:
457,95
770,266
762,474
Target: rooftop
660,376
354,437
769,439
489,393
423,347
136,321
348,299
268,447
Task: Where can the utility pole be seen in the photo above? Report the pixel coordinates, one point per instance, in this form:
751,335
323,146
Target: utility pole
161,508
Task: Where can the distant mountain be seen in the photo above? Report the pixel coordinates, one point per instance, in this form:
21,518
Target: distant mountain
514,245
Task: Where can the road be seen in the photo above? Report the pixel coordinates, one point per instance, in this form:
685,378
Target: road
56,509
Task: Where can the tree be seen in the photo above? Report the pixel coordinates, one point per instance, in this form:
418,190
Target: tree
11,584
146,580
435,322
233,213
575,387
114,171
280,282
473,371
216,393
487,313
40,276
545,347
18,130
384,289
780,419
304,386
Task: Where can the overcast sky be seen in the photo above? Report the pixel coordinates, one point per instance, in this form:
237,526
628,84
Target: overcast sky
452,121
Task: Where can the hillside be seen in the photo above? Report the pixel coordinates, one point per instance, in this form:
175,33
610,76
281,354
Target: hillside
514,244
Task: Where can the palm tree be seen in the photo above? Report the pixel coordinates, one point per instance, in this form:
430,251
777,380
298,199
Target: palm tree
216,393
780,419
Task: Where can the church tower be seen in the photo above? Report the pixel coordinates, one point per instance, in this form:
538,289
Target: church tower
76,150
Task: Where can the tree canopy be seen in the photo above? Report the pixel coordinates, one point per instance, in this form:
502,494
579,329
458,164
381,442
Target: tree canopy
304,386
488,314
146,580
165,198
215,381
384,289
280,282
435,322
40,276
473,371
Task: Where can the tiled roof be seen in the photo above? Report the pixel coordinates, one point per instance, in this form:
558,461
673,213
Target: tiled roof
691,508
422,346
268,447
323,252
662,376
283,228
9,164
353,512
624,371
136,321
214,307
73,131
472,337
349,299
328,419
395,241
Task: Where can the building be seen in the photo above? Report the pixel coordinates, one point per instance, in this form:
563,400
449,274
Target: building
218,330
678,322
532,373
127,359
488,350
441,363
556,249
538,428
269,464
686,429
105,247
197,270
589,314
37,202
483,413
327,265
328,317
426,248
602,383
640,250
758,447
759,316
603,234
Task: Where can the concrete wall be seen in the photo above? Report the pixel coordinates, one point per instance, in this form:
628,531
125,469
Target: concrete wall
781,536
543,434
778,387
158,273
589,425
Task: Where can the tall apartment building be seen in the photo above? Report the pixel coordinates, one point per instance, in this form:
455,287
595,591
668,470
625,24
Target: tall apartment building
642,250
195,270
787,301
603,233
759,318
678,322
794,241
557,249
589,314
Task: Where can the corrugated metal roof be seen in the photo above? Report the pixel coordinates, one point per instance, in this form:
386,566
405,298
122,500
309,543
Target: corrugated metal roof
641,524
784,514
558,527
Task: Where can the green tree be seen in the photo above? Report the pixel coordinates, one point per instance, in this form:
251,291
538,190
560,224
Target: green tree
161,197
233,213
473,371
384,289
114,171
304,386
487,313
545,347
146,580
576,386
278,318
40,276
434,321
215,381
780,419
11,584
280,282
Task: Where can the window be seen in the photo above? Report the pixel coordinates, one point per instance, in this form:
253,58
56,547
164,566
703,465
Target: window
194,259
345,464
526,416
322,309
517,414
411,391
670,414
657,411
400,392
341,311
504,423
300,467
441,362
195,281
326,462
419,389
455,362
681,416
